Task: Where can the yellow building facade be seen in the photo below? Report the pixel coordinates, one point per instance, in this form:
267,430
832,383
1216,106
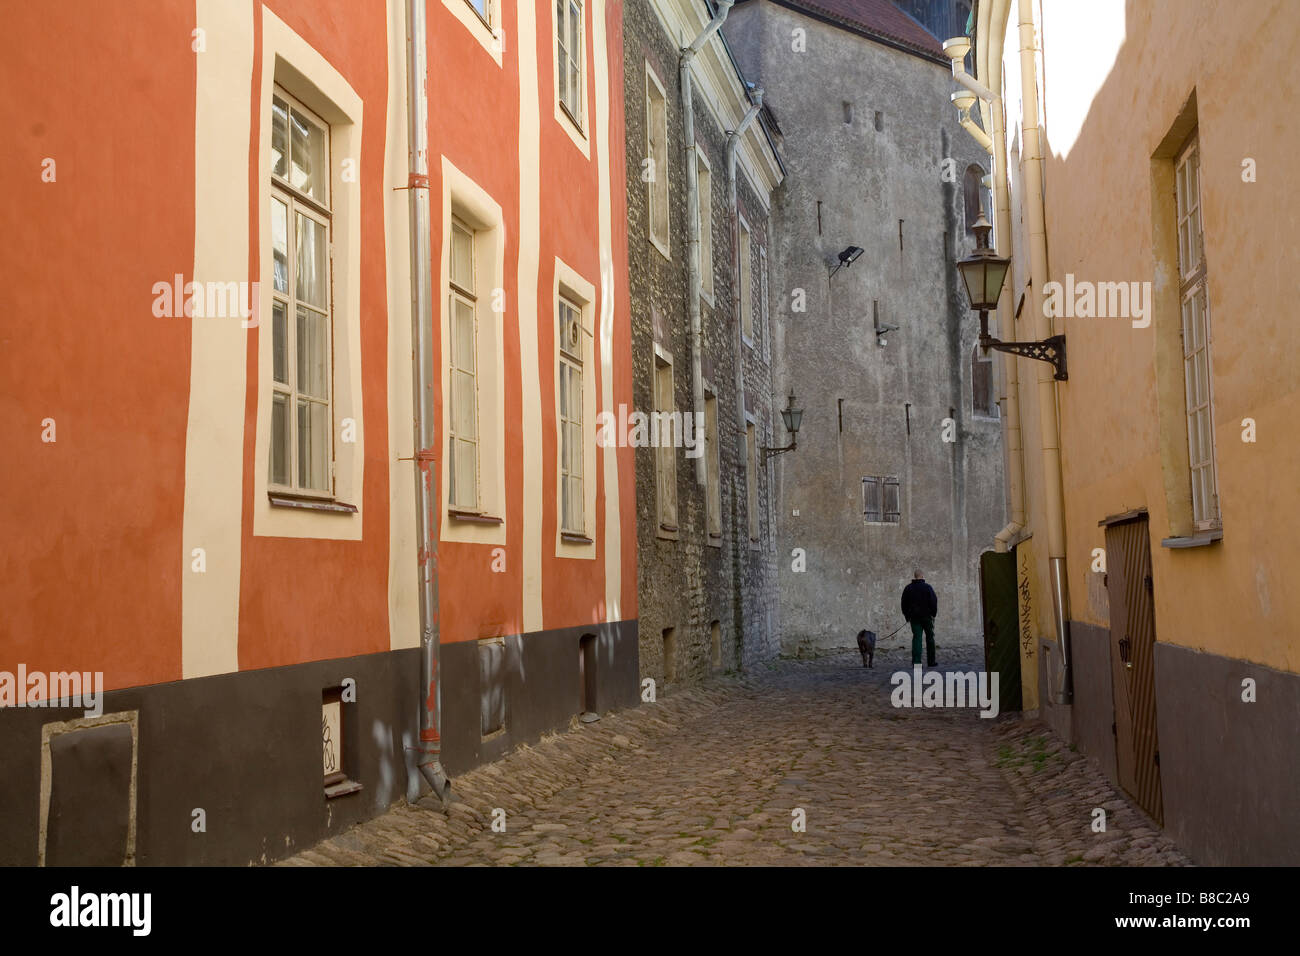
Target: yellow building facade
1144,156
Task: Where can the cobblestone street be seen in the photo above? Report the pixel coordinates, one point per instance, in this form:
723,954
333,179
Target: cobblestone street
713,775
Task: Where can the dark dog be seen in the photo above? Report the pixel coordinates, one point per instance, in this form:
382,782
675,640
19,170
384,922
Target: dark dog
867,645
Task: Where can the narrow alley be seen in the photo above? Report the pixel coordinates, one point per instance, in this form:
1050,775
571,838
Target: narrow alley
713,775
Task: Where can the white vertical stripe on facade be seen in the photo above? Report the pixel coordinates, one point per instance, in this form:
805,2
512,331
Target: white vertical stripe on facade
613,528
214,436
403,582
530,147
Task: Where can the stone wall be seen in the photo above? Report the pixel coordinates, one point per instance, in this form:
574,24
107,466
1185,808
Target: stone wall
687,580
865,131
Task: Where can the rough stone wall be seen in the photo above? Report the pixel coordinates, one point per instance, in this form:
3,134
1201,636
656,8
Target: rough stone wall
864,132
687,581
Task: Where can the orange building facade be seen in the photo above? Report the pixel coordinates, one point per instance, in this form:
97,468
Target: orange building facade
211,510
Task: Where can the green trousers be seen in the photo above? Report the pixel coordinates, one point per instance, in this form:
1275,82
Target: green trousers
924,626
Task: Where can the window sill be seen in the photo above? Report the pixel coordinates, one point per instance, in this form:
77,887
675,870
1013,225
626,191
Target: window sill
715,540
573,120
569,537
1198,540
328,505
662,246
473,517
338,785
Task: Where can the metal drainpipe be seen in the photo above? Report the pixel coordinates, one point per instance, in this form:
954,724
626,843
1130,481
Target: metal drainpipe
429,749
1035,216
995,29
694,279
733,209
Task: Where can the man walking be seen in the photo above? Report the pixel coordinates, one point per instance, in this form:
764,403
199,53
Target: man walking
920,606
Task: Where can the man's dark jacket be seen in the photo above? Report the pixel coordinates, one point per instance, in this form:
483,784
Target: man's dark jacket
919,601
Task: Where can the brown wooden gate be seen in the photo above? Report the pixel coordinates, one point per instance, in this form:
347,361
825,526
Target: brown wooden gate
1132,657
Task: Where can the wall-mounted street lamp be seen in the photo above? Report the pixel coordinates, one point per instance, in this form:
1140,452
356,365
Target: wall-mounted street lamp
847,258
984,272
792,417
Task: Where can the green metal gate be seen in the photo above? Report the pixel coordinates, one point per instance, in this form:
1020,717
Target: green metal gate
1001,621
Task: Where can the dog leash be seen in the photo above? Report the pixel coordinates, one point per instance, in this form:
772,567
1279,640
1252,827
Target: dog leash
896,630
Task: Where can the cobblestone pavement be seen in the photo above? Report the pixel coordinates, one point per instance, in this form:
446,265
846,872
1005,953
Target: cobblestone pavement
713,775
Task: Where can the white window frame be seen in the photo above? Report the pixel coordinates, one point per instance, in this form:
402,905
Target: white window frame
764,320
570,110
712,467
462,294
290,62
466,200
704,213
572,287
751,482
571,359
1194,331
665,402
296,203
746,278
658,190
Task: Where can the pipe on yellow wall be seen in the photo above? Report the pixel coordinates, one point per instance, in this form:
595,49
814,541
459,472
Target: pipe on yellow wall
1049,433
988,55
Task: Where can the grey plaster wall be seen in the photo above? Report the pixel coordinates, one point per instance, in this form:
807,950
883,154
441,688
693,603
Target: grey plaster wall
865,130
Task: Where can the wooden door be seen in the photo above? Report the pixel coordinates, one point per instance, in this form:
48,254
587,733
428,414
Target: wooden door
1132,656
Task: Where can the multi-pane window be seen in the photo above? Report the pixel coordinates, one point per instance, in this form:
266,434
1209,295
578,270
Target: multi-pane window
462,445
746,283
656,159
880,500
763,326
572,519
301,326
751,480
713,465
665,452
705,211
1196,340
569,56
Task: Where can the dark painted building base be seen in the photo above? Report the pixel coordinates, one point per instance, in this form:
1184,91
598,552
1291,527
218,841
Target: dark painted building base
228,769
1229,769
531,685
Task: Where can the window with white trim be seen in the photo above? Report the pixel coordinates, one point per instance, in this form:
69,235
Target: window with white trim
654,168
665,452
462,394
301,459
569,57
751,480
704,211
713,466
746,291
1196,340
572,449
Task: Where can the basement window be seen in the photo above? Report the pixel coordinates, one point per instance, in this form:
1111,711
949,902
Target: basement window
334,715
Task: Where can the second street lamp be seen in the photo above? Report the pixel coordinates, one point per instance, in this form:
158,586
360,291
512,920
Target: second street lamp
984,273
793,418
